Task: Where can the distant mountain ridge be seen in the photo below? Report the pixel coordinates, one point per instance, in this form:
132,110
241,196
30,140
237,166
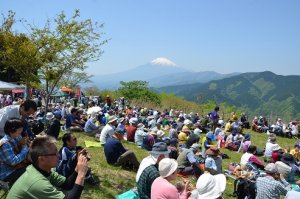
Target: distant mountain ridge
159,72
261,93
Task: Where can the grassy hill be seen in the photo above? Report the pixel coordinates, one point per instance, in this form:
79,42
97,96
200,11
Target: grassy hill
115,180
262,93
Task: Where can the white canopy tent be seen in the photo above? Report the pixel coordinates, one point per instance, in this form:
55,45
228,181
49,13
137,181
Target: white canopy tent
4,86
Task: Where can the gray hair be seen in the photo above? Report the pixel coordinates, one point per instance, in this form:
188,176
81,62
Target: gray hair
39,146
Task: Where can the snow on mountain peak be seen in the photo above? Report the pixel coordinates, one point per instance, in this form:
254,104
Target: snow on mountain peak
163,61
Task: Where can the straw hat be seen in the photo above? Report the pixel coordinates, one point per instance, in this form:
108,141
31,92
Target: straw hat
213,151
111,119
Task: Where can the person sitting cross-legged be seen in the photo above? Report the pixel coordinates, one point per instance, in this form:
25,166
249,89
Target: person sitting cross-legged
90,127
39,181
72,122
249,157
108,129
213,161
188,162
116,154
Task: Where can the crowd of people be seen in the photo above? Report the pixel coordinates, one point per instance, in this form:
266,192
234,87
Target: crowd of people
179,144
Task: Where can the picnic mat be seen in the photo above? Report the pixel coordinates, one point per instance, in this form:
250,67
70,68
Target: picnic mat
92,143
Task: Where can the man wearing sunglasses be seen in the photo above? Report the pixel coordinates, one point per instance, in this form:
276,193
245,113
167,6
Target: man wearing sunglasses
39,181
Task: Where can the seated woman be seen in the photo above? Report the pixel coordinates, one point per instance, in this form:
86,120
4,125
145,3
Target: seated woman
13,152
213,161
68,155
161,186
246,143
209,186
249,157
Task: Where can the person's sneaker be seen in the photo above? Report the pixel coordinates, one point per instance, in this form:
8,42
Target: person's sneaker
91,181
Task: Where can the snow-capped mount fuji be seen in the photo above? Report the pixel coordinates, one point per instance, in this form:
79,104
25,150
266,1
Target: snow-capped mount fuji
159,72
163,61
157,67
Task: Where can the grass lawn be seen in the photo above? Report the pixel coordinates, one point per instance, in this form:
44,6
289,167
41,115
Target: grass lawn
115,180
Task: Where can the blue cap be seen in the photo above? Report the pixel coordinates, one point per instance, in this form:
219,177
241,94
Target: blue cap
210,136
57,113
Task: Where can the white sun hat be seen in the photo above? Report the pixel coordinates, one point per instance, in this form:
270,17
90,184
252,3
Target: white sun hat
167,167
49,116
209,186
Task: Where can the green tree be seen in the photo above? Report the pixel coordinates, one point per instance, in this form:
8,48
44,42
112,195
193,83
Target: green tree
18,53
66,49
138,90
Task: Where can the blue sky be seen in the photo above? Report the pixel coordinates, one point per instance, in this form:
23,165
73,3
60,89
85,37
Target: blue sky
223,36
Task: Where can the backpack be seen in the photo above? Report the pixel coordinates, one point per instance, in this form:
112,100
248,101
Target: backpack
252,168
244,188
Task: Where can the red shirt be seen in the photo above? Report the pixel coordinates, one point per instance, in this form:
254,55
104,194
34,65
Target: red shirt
130,133
275,156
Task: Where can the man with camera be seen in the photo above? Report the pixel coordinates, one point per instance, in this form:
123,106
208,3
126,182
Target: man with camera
39,181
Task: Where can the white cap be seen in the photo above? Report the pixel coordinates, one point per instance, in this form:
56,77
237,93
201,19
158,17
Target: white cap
49,116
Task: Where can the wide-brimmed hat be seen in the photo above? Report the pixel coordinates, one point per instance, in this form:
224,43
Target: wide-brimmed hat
160,148
209,186
49,116
111,119
119,131
196,146
288,158
140,126
160,134
213,150
133,120
271,168
276,147
167,167
121,119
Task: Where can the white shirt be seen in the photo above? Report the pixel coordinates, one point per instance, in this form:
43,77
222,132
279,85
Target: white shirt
245,158
106,132
7,113
294,130
147,161
269,147
139,136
